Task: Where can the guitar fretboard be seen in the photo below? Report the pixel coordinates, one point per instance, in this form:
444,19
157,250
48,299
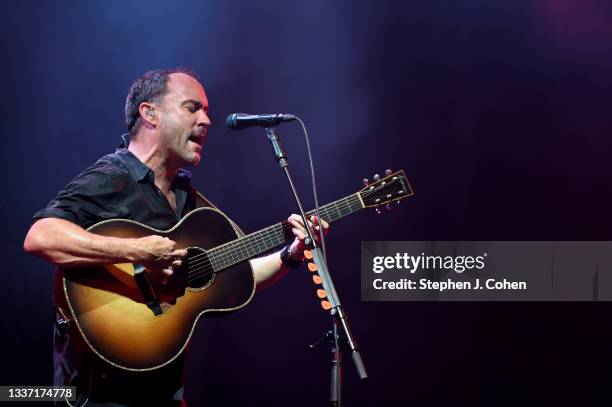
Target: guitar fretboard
251,245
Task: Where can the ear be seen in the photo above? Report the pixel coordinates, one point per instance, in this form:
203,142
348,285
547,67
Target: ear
147,114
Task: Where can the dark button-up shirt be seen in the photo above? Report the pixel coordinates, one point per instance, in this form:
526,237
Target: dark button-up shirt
118,185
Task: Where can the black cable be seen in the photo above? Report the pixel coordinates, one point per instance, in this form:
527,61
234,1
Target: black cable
314,189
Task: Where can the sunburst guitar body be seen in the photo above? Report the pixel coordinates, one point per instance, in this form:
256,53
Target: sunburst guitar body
138,324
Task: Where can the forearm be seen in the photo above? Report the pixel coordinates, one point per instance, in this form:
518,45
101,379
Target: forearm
63,243
268,270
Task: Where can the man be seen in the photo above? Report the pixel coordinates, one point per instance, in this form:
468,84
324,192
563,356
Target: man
167,119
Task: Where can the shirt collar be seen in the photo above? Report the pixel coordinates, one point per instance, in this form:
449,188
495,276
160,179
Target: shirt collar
137,169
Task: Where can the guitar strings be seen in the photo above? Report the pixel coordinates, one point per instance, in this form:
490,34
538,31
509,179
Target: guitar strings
338,206
274,230
235,254
198,272
195,272
271,229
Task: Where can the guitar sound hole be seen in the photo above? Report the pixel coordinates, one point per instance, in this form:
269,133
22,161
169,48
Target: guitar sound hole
199,270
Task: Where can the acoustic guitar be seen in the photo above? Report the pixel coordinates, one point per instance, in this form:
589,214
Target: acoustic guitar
137,324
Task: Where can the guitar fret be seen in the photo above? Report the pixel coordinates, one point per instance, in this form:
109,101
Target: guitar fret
348,206
258,242
334,213
341,208
338,209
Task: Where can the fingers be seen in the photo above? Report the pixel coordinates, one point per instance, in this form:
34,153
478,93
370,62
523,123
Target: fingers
296,220
315,221
166,273
324,224
178,254
298,225
299,233
298,229
169,270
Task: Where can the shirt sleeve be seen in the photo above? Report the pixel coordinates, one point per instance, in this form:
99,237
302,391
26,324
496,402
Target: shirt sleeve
91,197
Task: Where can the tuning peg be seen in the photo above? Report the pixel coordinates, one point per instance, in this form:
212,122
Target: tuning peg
365,182
376,177
388,172
377,210
399,201
388,207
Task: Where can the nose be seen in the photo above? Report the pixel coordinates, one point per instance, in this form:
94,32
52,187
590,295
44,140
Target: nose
203,119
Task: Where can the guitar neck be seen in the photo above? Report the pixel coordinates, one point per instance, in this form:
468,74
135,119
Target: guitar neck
251,245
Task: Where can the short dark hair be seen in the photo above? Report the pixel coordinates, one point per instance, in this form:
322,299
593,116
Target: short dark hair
150,87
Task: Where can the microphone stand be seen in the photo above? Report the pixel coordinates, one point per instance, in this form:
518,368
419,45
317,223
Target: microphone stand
340,336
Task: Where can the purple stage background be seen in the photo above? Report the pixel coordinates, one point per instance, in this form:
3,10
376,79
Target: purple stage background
499,112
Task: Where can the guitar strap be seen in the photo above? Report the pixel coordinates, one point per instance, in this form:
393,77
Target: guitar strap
146,289
203,202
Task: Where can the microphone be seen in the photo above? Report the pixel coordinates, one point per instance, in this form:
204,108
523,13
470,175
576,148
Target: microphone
239,121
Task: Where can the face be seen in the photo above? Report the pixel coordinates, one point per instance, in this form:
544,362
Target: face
183,119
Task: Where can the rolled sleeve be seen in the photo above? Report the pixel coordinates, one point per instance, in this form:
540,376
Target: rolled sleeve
91,197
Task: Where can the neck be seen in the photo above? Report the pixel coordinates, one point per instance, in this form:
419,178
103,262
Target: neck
165,170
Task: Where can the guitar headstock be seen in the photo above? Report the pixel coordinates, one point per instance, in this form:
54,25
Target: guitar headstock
383,191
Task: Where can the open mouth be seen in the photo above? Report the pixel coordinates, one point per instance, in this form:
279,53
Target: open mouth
197,138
